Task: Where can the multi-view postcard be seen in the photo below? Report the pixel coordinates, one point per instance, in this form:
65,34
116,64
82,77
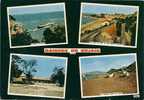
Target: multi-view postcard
109,75
37,25
108,25
41,76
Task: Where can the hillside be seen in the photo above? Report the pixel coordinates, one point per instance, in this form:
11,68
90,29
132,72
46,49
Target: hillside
96,74
130,68
112,85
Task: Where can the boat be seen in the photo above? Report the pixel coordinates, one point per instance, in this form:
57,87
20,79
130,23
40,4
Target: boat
45,25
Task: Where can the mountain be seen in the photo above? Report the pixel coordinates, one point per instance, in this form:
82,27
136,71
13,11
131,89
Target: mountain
93,74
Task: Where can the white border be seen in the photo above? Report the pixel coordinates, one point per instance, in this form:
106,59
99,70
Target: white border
107,44
112,94
39,44
53,57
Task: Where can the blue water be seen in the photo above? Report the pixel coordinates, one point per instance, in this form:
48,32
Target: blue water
86,20
31,21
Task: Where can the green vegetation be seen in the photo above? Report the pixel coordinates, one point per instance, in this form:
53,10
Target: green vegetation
28,69
22,72
15,71
19,66
96,74
22,39
129,68
131,23
19,35
118,25
112,70
58,76
54,35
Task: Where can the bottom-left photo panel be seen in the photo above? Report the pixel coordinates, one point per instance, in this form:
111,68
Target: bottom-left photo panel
40,76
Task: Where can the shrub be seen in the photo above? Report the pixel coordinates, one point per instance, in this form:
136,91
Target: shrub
54,35
21,39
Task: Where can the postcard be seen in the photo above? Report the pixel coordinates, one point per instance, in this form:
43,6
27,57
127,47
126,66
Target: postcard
108,25
109,75
37,25
40,76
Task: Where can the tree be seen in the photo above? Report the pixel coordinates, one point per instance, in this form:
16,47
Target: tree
15,70
102,15
19,66
21,36
131,26
58,76
54,34
28,69
119,25
21,39
60,33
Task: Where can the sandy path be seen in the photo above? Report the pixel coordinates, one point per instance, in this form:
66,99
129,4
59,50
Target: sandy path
42,89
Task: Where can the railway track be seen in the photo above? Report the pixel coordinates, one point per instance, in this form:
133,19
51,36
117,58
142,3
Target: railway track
91,36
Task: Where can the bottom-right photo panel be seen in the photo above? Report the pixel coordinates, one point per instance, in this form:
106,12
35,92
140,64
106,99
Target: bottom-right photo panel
109,75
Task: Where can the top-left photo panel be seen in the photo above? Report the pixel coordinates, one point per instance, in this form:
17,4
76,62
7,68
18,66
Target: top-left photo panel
37,25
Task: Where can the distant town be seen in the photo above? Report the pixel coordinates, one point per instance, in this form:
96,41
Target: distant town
109,28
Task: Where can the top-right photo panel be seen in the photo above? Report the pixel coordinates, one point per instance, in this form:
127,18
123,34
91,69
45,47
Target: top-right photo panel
109,25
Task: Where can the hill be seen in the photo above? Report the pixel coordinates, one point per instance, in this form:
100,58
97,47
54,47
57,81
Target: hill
129,68
93,74
112,85
96,74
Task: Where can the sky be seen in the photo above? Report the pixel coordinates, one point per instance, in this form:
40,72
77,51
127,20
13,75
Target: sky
45,65
36,9
105,63
87,8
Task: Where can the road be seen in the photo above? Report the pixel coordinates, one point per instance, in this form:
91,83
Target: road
92,36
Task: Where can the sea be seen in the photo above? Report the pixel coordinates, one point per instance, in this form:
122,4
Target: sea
86,20
31,21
